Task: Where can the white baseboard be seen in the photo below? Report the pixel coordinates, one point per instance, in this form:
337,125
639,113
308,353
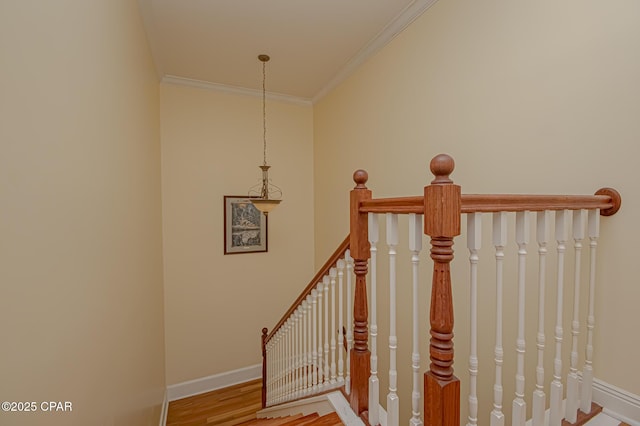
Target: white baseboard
164,410
216,381
617,402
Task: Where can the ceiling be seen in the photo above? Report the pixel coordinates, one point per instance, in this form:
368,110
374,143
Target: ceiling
313,44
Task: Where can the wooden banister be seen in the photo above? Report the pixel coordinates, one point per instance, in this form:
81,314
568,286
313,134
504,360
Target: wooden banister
360,252
331,262
400,205
442,205
608,200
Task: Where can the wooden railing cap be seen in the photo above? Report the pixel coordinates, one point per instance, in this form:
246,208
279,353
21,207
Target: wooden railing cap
360,177
442,166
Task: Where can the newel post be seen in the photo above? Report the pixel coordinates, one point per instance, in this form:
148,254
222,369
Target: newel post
442,208
359,246
264,367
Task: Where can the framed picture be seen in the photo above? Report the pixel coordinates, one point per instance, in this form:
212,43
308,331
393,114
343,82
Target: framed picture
245,227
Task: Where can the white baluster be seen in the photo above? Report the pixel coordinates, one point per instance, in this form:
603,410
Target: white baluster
302,351
274,382
285,364
272,369
327,372
297,354
278,383
303,342
474,241
349,336
310,329
341,266
587,374
539,397
374,383
290,369
333,273
279,368
314,339
415,246
269,371
571,413
292,358
282,359
555,397
393,405
319,366
519,415
499,241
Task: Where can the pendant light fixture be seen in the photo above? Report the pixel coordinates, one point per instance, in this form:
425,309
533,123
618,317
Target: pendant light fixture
265,196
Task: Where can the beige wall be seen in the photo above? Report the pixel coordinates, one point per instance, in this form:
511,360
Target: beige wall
80,228
216,305
534,97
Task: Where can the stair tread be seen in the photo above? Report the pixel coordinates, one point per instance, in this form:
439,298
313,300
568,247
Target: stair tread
302,420
235,421
274,421
585,417
331,419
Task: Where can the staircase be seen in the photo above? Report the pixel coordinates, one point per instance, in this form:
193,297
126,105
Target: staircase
329,337
237,405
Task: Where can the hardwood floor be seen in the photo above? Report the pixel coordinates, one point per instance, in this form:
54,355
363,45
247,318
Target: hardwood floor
224,407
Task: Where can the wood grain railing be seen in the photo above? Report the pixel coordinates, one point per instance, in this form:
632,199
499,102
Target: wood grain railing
330,263
605,199
338,254
441,205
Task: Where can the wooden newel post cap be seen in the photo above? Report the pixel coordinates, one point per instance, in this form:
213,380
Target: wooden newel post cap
264,332
442,166
360,177
442,200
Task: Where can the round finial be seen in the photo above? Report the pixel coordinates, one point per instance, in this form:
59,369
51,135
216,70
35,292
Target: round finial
264,331
442,166
616,200
264,58
360,177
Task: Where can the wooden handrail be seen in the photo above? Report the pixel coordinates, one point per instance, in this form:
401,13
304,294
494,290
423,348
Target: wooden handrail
400,205
339,253
606,199
472,203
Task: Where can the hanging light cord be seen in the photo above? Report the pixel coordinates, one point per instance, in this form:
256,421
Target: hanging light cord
264,112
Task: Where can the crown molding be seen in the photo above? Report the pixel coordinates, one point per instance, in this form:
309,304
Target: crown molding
236,90
388,33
